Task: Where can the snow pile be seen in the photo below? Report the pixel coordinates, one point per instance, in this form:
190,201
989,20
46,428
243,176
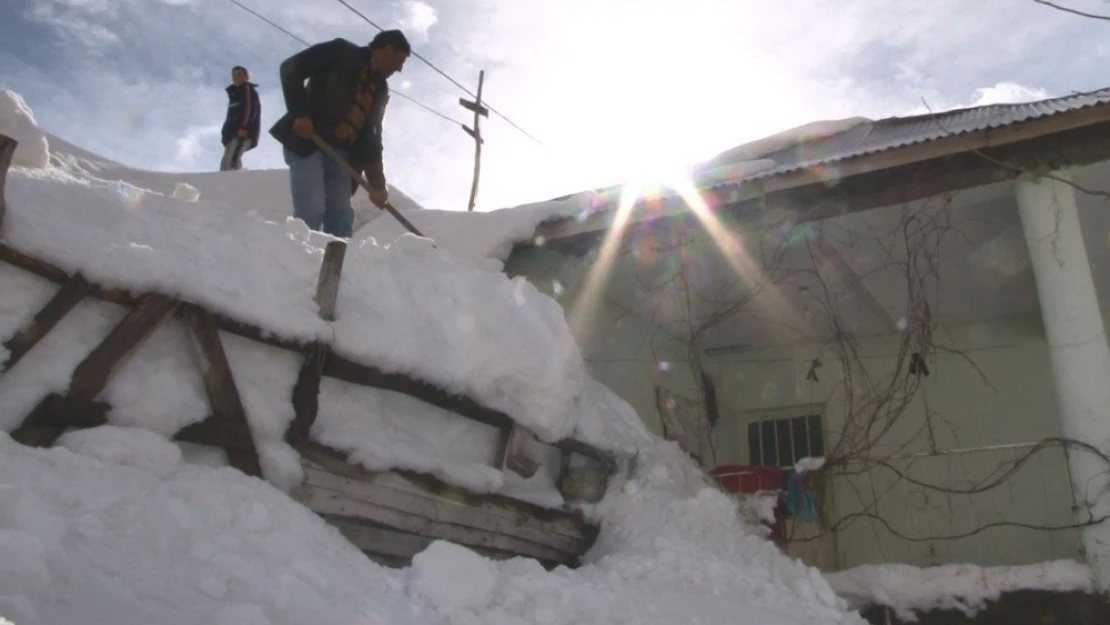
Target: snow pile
486,235
498,340
87,541
107,536
185,192
444,318
17,122
453,578
965,587
126,447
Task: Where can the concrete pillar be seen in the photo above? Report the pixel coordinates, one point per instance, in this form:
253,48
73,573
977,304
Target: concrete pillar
1077,344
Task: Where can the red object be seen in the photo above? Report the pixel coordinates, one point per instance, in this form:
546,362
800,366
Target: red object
748,479
743,478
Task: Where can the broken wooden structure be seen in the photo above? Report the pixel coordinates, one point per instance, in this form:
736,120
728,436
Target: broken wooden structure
390,515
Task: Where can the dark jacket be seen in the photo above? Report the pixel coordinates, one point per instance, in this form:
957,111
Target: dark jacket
333,70
244,110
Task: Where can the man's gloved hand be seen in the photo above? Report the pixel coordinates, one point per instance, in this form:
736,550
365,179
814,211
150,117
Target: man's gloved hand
303,127
380,197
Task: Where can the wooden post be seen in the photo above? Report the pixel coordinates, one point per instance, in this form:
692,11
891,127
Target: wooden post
7,151
327,285
307,389
223,394
476,132
67,297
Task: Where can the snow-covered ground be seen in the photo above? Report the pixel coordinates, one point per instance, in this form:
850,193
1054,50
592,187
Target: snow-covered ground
964,587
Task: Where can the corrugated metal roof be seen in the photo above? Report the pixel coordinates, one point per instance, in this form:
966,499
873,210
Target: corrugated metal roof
895,132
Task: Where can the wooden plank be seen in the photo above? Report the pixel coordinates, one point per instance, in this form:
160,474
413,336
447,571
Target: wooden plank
94,373
389,493
14,257
7,152
346,370
64,300
331,502
220,387
480,507
397,548
379,539
327,285
306,394
474,108
605,459
510,455
54,415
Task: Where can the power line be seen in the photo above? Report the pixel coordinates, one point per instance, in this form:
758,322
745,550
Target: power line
392,90
425,106
445,75
264,19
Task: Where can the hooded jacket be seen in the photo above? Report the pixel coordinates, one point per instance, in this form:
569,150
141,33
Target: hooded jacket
244,110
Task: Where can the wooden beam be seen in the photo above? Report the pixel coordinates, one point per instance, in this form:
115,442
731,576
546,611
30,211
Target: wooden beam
14,257
94,373
396,548
65,299
331,502
334,487
54,415
7,152
219,385
334,462
327,284
511,456
306,394
346,370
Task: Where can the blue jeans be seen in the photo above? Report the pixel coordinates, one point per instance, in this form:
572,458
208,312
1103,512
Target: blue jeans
321,192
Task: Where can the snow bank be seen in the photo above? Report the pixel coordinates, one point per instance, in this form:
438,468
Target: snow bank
185,192
965,587
17,122
97,537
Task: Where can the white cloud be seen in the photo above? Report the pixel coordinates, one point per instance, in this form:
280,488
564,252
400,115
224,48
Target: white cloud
191,147
1008,93
602,84
419,17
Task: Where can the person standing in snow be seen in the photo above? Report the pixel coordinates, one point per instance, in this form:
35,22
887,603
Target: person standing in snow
343,103
244,119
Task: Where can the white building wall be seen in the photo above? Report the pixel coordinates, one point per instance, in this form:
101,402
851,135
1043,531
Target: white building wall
1018,406
624,351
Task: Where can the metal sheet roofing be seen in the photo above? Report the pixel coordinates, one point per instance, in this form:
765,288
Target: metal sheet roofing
895,132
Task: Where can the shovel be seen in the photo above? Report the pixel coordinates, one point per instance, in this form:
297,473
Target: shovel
330,151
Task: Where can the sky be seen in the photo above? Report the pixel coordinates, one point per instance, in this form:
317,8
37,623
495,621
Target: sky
609,89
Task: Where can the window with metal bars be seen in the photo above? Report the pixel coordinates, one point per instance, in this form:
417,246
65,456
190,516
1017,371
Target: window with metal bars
783,442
